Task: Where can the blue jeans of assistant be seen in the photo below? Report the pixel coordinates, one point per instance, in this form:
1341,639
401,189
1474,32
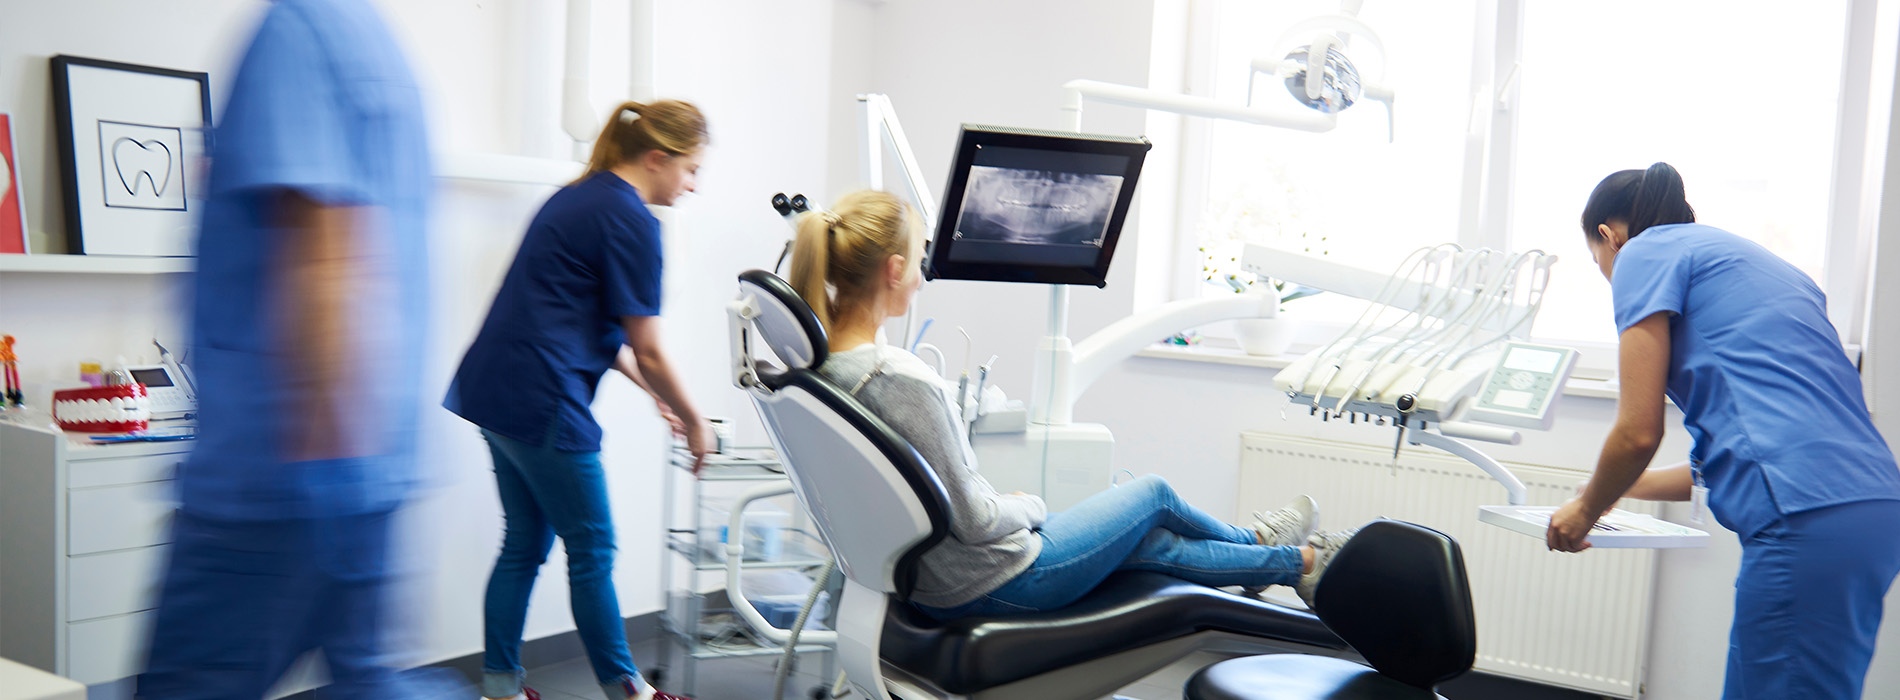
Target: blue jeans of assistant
547,493
242,599
1142,525
1808,602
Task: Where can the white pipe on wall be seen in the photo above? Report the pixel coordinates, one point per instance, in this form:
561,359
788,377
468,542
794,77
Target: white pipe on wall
643,42
577,112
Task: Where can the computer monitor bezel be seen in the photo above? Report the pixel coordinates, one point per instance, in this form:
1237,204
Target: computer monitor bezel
971,137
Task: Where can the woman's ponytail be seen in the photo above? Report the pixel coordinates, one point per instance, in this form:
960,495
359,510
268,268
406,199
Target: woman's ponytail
811,248
1659,200
670,126
1640,199
839,255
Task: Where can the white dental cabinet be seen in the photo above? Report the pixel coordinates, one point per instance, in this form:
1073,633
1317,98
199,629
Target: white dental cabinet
83,532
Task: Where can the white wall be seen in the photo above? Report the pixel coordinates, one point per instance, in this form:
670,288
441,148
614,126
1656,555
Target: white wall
758,68
1182,420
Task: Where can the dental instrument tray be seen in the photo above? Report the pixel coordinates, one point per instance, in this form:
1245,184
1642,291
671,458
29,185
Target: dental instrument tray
1620,529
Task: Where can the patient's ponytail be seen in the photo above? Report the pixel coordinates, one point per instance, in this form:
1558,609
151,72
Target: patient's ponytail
837,254
811,256
1640,199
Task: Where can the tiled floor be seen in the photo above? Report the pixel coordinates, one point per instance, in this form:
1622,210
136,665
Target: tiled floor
750,678
738,678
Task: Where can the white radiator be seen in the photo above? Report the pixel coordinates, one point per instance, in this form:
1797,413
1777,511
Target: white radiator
1574,620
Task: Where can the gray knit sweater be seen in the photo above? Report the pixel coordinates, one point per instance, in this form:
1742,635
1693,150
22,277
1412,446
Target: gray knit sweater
992,536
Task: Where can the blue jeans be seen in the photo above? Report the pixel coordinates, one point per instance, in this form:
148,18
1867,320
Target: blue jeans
1808,602
242,599
1142,525
544,493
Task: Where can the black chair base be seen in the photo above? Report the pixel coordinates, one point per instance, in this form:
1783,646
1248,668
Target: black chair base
1128,611
1297,677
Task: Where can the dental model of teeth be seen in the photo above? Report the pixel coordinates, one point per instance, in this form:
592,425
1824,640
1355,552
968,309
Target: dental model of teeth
111,409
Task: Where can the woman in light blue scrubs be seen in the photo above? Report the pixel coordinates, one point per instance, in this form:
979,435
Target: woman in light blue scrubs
1740,340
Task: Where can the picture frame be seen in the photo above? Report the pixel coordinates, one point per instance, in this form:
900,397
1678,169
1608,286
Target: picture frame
13,233
133,142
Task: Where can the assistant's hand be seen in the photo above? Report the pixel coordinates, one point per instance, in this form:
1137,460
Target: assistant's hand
698,437
1578,493
672,419
1569,527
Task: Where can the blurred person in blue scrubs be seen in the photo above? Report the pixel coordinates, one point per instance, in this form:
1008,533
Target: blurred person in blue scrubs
582,297
1740,340
307,319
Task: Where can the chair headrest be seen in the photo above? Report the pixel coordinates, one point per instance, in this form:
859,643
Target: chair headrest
1397,593
786,323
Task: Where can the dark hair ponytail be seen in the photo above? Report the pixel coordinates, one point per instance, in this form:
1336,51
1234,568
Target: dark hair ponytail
1640,199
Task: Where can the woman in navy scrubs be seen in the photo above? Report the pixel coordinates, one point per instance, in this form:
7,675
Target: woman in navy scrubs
1740,341
582,297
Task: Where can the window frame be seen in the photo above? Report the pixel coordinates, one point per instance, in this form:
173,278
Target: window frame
1486,210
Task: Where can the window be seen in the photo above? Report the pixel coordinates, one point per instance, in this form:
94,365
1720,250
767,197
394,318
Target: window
1346,192
1740,97
1508,114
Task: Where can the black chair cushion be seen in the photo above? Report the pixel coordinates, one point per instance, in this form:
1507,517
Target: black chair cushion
1130,610
1297,677
786,323
1397,593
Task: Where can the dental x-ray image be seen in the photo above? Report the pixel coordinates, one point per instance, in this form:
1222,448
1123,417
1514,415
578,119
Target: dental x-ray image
1037,207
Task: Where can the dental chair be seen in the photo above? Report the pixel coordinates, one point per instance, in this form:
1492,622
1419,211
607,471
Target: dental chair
879,507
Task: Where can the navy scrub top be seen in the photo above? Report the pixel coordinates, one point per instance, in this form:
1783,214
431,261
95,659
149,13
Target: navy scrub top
1775,408
591,256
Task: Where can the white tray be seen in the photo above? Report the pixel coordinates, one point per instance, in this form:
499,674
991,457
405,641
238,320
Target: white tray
1618,529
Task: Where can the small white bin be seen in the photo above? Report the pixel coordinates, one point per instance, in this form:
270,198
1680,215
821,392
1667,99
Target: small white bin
765,526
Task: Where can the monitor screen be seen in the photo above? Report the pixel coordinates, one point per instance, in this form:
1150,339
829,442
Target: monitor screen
1035,206
152,378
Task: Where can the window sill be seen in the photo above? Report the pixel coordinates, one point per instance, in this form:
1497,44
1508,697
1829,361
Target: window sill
1214,354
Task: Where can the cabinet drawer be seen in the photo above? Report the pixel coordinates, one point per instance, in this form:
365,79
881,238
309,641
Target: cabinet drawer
115,583
102,651
122,470
118,517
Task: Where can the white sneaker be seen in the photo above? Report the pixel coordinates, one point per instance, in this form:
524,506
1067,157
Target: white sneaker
1325,545
1289,526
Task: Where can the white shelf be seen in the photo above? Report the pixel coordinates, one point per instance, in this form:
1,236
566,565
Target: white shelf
497,167
95,264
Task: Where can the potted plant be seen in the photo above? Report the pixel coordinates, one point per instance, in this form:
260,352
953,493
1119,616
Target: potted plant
1267,211
1272,335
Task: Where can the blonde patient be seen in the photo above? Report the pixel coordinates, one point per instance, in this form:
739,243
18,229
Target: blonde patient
859,265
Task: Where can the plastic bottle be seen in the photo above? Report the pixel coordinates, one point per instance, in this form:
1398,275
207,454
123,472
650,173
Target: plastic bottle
119,375
92,373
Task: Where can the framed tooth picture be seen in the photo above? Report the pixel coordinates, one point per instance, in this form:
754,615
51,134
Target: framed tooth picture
132,142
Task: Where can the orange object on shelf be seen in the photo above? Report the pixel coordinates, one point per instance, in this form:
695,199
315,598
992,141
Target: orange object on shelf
106,409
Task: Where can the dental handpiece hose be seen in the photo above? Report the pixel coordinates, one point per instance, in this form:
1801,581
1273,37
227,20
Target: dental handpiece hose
963,396
982,380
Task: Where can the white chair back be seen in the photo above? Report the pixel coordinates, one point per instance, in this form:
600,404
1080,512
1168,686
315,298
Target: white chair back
871,497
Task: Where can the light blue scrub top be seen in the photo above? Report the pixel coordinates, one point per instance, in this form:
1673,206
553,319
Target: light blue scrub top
322,104
1775,407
